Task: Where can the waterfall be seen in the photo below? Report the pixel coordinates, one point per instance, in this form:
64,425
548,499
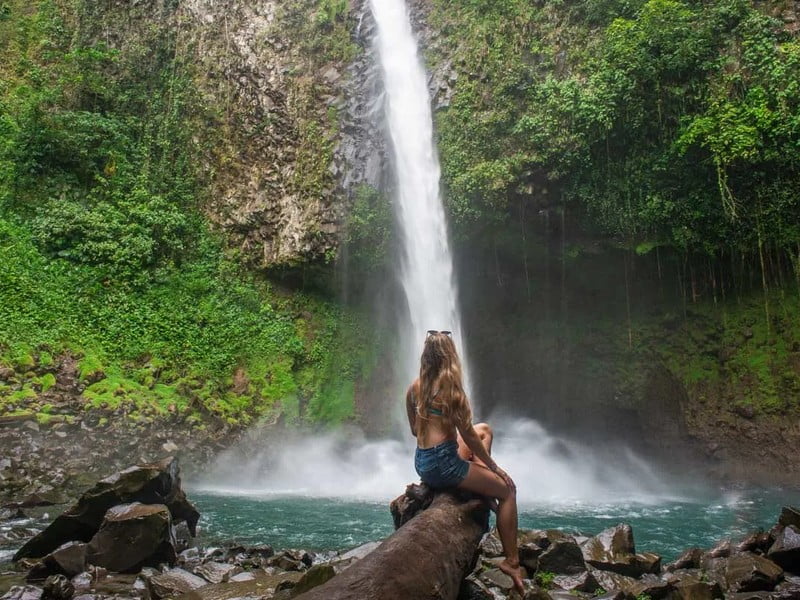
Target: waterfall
427,268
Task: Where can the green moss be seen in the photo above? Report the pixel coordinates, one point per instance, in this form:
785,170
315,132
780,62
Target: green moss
90,366
22,396
47,381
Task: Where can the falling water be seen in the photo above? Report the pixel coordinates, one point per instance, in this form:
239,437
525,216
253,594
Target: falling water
427,266
344,464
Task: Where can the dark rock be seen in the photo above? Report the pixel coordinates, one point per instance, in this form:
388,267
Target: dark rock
57,587
360,551
27,592
174,582
316,575
82,581
614,550
563,556
473,588
285,563
647,563
614,595
694,588
307,558
216,572
690,559
156,483
758,542
789,516
491,546
496,578
263,551
10,514
652,587
786,550
69,560
583,582
723,549
788,589
749,572
611,581
131,536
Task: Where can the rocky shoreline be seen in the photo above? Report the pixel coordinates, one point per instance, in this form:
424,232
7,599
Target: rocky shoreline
130,536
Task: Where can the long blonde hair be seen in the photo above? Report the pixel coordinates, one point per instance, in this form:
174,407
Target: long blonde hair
440,375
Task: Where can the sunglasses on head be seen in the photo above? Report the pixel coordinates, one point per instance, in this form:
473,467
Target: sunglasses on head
434,332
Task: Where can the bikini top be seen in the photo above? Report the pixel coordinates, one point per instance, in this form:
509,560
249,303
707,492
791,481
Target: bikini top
431,410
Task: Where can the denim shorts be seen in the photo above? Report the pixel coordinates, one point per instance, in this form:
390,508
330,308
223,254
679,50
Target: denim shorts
441,466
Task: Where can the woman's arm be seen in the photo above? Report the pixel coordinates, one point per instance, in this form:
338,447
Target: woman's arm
411,410
473,442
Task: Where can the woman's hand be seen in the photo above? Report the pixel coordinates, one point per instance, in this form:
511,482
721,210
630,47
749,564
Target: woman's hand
505,477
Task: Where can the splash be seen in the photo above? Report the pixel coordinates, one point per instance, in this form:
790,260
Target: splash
344,464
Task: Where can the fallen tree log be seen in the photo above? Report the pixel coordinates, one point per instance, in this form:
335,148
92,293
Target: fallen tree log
426,558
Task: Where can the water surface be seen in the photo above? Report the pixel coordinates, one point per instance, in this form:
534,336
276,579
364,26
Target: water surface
323,524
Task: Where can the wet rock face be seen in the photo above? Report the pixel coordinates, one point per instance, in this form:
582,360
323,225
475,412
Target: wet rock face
143,530
749,573
786,549
614,550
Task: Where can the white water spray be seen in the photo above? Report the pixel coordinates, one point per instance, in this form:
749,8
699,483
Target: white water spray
427,266
343,464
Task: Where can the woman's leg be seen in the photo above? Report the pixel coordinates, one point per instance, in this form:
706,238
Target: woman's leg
486,434
482,481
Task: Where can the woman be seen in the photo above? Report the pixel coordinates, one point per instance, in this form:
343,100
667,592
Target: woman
438,410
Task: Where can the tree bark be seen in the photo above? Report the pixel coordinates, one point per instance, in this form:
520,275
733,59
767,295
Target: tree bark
425,559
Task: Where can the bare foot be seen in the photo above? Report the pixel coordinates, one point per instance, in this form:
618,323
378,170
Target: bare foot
515,573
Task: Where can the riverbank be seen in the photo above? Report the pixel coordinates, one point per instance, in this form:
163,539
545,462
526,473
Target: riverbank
559,564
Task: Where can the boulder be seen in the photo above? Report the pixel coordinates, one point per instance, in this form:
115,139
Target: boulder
57,587
174,582
785,551
694,588
259,586
583,582
610,581
19,592
217,572
360,551
788,589
723,549
613,550
563,556
473,588
757,542
156,483
316,575
491,546
650,586
790,515
495,578
748,572
69,560
614,595
132,536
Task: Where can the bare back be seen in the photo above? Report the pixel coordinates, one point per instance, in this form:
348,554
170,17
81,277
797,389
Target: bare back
438,429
